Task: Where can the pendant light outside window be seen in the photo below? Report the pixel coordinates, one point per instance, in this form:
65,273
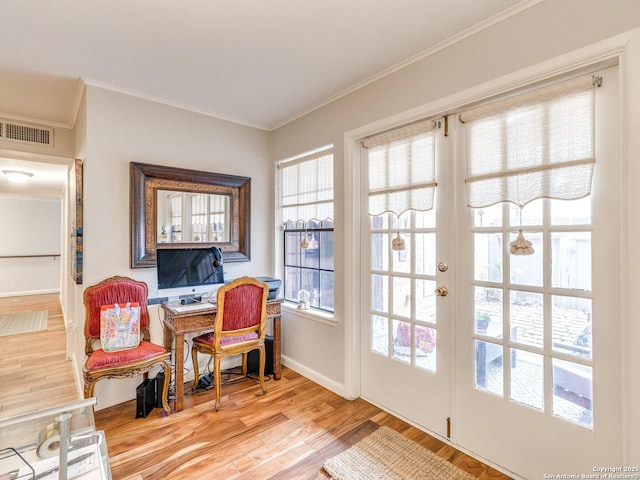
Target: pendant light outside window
540,144
401,166
521,246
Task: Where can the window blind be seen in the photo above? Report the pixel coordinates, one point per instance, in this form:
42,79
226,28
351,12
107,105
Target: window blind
307,187
535,145
401,166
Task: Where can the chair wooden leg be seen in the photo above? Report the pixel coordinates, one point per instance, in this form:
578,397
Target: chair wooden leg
165,388
263,358
217,375
88,387
244,363
196,374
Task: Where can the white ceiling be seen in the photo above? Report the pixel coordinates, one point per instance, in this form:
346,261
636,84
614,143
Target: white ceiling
257,62
48,179
260,63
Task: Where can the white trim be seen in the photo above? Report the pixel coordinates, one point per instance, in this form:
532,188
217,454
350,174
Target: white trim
76,375
353,299
77,101
416,58
30,292
626,276
308,155
71,124
591,58
34,121
314,376
314,315
40,198
35,157
163,101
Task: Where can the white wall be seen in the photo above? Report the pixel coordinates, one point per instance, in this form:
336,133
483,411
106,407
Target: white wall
121,129
30,226
68,285
541,34
631,255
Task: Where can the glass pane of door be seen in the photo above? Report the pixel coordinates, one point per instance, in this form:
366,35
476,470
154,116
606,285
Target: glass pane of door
543,320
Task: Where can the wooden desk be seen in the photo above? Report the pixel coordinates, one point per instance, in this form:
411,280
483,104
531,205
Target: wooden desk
176,324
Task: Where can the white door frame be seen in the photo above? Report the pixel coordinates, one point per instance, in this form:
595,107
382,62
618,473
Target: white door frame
607,52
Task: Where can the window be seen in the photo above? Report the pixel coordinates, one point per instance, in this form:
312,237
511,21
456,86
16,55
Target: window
401,190
306,200
530,162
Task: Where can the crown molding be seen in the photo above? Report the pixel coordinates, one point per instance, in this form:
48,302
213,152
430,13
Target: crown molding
163,101
416,58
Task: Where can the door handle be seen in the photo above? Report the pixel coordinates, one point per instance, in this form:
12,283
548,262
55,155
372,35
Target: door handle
441,291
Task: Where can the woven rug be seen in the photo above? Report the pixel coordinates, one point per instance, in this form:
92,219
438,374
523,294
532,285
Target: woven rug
389,455
24,322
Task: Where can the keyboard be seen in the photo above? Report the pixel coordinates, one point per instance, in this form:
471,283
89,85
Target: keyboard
193,307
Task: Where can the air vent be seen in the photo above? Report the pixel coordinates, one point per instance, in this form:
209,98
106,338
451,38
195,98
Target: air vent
19,132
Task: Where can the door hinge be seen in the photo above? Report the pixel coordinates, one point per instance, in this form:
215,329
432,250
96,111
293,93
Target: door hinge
448,427
446,126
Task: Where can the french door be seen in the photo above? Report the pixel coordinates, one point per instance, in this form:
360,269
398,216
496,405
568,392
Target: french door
518,361
534,386
406,363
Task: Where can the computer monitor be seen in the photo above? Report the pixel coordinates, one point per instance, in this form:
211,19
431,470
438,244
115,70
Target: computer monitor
189,271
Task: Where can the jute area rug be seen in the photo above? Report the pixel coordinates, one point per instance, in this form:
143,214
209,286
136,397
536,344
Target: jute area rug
24,322
389,455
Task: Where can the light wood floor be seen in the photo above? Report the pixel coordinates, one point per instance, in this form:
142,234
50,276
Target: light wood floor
286,434
34,370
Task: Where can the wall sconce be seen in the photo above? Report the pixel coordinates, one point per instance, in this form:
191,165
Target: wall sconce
16,176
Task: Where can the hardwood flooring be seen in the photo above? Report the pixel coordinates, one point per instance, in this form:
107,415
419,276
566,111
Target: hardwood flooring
285,434
34,370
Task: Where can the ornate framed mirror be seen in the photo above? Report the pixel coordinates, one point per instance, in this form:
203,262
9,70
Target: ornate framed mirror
178,208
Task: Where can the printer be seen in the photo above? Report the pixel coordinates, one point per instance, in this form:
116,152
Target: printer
274,286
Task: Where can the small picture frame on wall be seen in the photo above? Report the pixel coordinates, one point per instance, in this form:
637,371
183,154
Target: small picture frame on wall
75,193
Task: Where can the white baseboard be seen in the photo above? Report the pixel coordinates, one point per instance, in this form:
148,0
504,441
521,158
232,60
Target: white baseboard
79,379
314,376
30,292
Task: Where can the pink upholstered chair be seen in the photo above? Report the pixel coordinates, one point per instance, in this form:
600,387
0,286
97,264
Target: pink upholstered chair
125,363
239,327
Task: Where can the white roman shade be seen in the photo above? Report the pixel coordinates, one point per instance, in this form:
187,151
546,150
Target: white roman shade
535,145
401,166
307,187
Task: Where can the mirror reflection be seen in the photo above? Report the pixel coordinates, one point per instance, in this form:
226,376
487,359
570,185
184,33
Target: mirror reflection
177,207
189,217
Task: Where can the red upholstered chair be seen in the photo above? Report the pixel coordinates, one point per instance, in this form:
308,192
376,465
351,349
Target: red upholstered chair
238,328
125,363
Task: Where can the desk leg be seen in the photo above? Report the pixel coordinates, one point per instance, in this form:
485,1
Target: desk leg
179,374
167,339
277,348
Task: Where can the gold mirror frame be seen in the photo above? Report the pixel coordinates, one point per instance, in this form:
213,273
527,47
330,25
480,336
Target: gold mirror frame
146,180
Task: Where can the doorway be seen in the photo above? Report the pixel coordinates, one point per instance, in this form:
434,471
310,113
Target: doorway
515,360
33,220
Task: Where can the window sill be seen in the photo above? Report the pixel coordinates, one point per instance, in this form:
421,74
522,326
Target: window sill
315,315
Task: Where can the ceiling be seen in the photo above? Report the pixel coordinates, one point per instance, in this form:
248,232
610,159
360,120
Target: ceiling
48,180
256,62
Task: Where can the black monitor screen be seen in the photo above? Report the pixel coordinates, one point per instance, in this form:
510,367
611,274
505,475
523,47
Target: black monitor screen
186,267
